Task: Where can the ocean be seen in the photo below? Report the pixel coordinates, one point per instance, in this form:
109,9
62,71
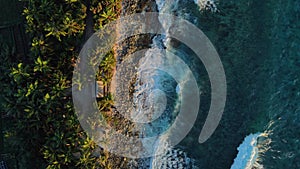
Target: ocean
258,44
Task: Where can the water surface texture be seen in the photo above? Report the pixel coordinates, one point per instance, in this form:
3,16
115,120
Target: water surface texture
258,43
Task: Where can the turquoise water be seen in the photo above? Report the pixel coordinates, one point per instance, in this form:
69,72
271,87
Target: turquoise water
258,43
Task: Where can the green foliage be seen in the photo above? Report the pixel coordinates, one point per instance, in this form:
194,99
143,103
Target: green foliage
105,11
106,68
5,54
45,127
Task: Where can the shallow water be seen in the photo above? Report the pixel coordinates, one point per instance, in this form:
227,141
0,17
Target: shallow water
258,44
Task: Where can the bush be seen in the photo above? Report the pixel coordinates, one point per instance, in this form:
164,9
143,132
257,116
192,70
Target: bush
47,132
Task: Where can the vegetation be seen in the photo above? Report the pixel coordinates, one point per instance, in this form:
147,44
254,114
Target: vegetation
44,127
258,43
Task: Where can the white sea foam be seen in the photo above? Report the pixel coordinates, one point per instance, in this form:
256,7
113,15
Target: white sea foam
155,57
161,42
207,5
248,153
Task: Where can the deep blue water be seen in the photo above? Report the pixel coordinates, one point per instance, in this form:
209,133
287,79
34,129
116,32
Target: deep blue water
258,43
